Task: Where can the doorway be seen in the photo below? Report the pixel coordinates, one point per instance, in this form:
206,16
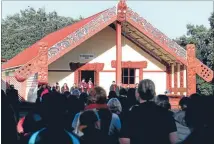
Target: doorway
87,75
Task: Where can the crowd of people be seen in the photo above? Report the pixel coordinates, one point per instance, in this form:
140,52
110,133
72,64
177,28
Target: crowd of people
134,116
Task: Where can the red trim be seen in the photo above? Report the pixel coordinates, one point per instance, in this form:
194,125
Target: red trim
181,77
118,53
97,67
153,71
175,77
108,71
130,64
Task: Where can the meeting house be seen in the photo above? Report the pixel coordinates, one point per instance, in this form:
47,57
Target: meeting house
116,44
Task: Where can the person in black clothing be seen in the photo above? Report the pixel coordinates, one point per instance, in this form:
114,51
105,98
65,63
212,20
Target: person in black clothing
182,129
52,112
13,98
148,123
8,122
115,88
88,125
200,118
163,101
112,94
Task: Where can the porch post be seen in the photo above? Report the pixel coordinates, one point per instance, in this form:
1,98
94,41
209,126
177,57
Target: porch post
118,53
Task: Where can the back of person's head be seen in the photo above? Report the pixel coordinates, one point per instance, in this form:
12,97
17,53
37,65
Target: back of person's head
88,118
114,105
146,89
83,97
67,94
196,112
98,95
163,101
183,103
123,92
112,94
53,107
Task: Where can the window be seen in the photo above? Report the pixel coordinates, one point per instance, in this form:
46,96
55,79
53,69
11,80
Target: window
128,75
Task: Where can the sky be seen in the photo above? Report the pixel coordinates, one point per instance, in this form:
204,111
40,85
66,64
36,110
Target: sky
170,17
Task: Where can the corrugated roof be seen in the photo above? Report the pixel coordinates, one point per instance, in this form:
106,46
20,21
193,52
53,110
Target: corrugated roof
52,38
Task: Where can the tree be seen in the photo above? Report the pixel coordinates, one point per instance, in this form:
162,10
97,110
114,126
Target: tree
23,29
203,38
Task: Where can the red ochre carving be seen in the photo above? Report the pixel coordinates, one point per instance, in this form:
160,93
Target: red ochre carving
191,70
175,77
121,11
97,67
169,78
38,64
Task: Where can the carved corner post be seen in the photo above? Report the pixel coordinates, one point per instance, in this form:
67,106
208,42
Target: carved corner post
191,70
42,64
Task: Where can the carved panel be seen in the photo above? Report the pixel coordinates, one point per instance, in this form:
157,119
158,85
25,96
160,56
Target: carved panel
161,39
203,71
82,34
191,70
121,11
38,64
130,64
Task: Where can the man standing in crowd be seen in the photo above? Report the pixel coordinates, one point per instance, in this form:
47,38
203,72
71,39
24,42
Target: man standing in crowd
90,85
115,88
148,123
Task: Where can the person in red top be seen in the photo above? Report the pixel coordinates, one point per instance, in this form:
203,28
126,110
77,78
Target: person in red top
83,86
90,85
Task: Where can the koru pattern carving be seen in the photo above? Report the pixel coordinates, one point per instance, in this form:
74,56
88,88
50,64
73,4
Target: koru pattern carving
156,34
37,65
121,11
77,35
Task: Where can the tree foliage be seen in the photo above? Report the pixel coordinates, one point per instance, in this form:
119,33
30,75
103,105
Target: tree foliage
23,29
203,38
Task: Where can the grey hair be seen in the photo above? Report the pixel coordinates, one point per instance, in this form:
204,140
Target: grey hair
146,89
114,105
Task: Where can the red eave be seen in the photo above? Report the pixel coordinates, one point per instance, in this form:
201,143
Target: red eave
52,38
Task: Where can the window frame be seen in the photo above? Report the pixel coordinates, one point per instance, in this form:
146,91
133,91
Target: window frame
128,76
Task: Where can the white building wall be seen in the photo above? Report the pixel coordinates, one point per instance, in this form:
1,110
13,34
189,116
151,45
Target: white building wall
159,78
106,79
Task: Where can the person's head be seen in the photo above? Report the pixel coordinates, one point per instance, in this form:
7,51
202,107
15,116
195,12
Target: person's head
145,90
65,85
128,86
88,120
113,82
90,80
44,86
98,95
76,92
83,80
57,84
183,103
53,108
112,94
123,92
114,105
163,101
